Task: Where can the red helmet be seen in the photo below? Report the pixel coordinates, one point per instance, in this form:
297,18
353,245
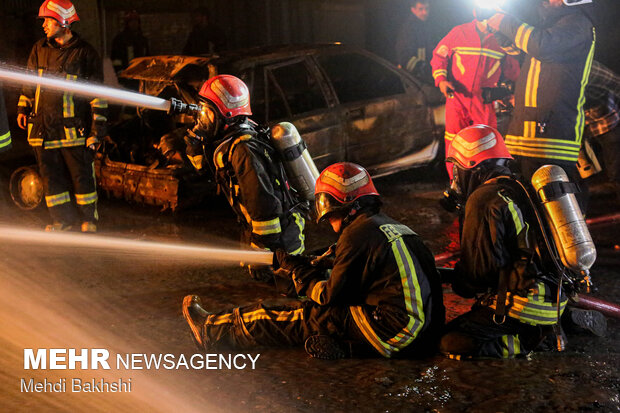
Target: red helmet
475,144
339,185
62,11
229,94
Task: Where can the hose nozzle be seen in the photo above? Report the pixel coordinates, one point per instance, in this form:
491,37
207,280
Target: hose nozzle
177,106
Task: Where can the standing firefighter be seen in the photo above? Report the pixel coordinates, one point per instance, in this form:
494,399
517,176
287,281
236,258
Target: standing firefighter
415,41
516,311
548,120
62,128
382,294
247,169
465,62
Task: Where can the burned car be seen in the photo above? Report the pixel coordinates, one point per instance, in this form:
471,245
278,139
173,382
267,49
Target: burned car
348,105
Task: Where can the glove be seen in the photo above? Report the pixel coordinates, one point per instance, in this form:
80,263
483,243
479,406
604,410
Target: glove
288,262
325,261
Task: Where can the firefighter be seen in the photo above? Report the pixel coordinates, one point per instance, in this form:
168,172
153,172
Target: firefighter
464,62
379,295
415,41
62,129
246,168
548,120
516,309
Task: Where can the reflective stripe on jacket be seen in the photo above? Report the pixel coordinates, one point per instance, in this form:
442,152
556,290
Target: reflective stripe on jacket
548,119
469,63
494,236
60,119
387,276
245,174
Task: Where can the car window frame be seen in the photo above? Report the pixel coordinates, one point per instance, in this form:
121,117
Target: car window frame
410,85
310,65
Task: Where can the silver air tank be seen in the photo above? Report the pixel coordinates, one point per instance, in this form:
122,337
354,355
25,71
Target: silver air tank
570,232
298,163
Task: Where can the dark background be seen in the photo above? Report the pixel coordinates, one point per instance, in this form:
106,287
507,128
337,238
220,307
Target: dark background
371,24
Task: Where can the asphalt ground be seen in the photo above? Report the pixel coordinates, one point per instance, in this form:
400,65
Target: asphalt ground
55,298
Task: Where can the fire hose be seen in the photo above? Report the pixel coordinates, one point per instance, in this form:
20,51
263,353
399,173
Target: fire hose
91,90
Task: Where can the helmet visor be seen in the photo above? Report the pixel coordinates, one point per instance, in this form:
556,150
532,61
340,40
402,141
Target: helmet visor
325,204
207,122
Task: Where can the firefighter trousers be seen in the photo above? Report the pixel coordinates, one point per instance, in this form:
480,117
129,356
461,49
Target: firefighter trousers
66,172
475,334
261,325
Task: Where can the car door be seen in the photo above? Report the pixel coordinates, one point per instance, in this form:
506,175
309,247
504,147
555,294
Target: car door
294,91
386,118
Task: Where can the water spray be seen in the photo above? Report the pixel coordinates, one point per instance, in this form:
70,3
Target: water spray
147,249
90,90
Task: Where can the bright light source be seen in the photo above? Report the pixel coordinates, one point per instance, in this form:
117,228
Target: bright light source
576,2
490,4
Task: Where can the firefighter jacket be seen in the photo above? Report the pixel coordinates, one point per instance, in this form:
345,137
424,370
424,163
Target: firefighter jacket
248,172
414,43
57,119
386,275
548,118
496,242
471,63
5,133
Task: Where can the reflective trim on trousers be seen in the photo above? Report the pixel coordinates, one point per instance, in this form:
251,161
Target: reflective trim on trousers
59,199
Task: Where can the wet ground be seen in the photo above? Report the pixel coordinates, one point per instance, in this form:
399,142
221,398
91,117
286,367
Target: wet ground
128,304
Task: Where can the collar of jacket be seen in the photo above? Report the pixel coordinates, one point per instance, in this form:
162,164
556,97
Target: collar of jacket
549,15
74,39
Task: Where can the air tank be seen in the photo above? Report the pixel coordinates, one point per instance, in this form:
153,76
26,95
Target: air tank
298,163
562,212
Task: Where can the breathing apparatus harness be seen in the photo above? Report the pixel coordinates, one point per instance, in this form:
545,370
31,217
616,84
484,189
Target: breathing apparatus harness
271,159
545,246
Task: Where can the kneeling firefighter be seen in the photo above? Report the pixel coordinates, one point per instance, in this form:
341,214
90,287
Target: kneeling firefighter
518,290
248,170
378,294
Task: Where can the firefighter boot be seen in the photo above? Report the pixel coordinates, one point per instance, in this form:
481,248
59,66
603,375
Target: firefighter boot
195,316
586,320
89,227
326,348
57,226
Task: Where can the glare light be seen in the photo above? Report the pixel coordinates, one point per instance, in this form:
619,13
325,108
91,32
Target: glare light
576,2
490,4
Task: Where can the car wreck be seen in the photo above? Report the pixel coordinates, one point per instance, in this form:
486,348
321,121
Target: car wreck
347,104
